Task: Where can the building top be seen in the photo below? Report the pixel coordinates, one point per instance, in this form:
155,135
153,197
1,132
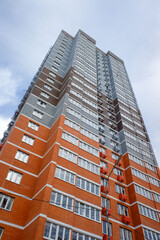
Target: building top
114,56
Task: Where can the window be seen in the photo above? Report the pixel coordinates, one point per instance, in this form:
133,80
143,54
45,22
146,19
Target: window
89,134
133,147
71,124
76,93
143,142
50,80
84,163
70,138
90,95
104,182
47,87
105,202
139,174
102,139
65,153
22,156
105,228
103,164
88,148
74,113
27,139
1,231
118,171
90,81
151,167
44,95
125,234
80,236
54,68
89,111
144,192
76,103
141,133
128,125
154,181
137,160
90,87
65,175
87,186
89,122
14,176
149,234
6,202
90,103
76,78
120,189
61,200
77,86
41,103
37,114
115,156
52,74
122,210
33,125
130,135
148,212
54,231
87,211
146,154
156,197
102,149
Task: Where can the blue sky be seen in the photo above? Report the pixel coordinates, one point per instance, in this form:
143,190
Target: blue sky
130,29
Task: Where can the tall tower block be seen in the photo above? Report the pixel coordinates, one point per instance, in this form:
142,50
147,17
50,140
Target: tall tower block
77,118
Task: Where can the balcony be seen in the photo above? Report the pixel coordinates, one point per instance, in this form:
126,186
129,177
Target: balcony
105,237
101,141
100,101
103,155
104,211
99,94
101,119
105,189
125,219
100,110
119,164
120,178
103,170
112,117
115,137
116,149
122,197
113,126
101,129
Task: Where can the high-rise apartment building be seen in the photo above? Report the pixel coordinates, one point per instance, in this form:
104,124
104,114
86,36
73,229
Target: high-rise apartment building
77,118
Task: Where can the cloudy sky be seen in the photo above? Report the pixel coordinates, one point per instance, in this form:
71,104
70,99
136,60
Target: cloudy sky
128,28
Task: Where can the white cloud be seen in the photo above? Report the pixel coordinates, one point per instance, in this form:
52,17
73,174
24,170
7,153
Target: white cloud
9,85
3,123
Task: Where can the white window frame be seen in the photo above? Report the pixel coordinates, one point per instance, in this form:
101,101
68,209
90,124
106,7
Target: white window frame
61,200
27,139
67,154
14,177
57,227
86,210
33,125
65,175
7,201
37,114
22,156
